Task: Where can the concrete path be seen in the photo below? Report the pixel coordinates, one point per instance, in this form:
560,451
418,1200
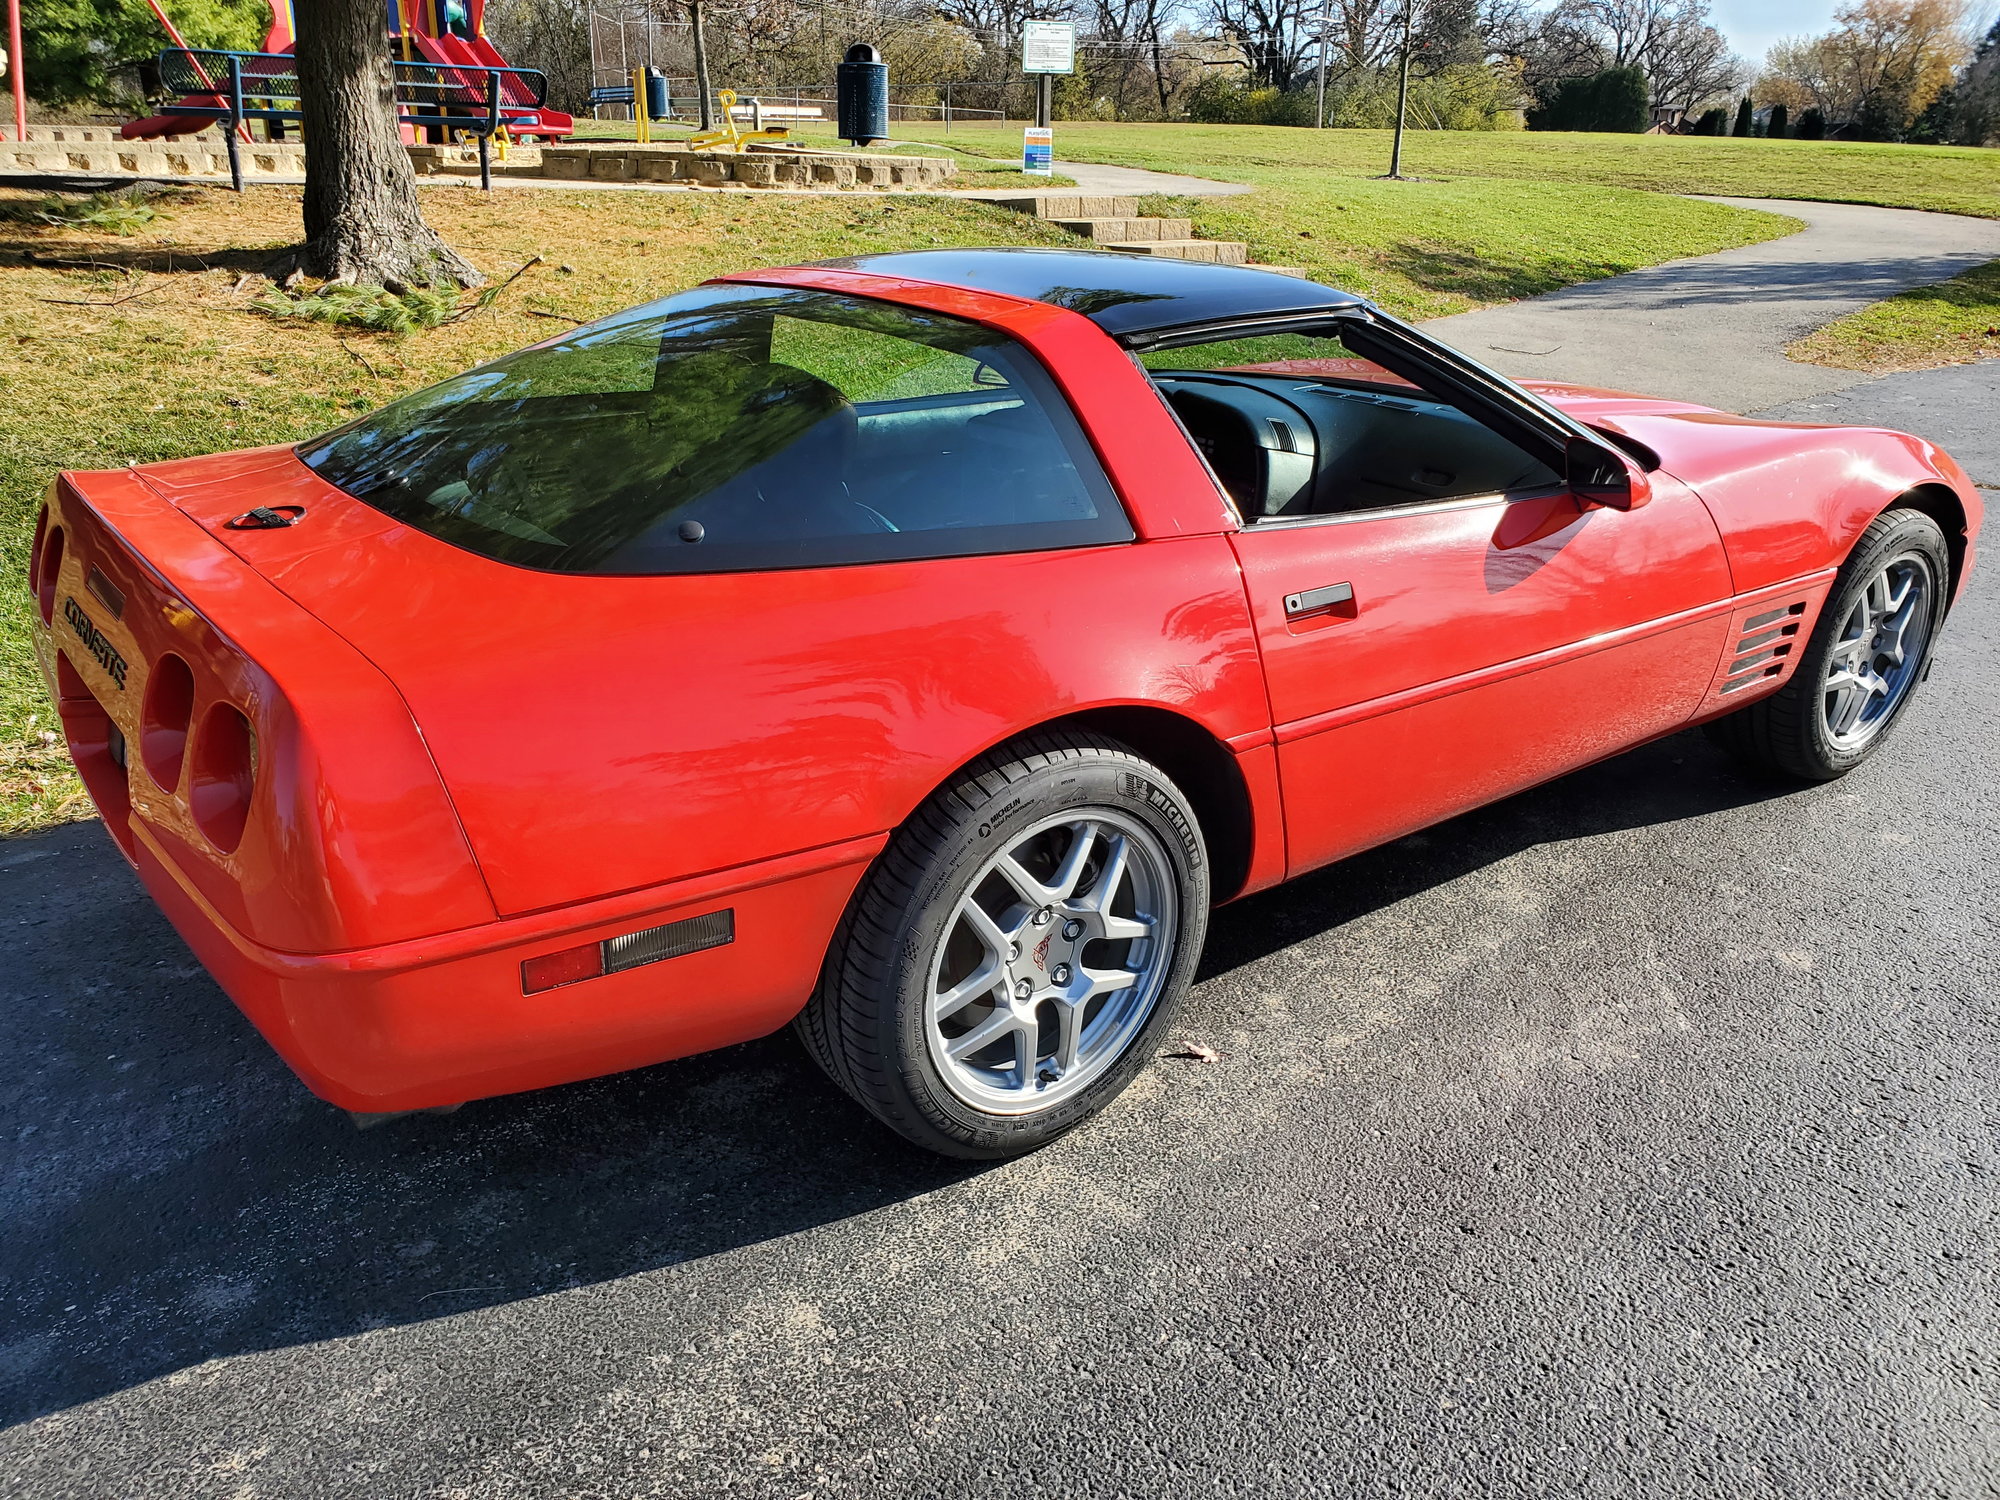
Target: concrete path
1714,328
1094,177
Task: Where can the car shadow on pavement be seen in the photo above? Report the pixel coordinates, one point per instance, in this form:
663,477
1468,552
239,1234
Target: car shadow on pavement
172,1196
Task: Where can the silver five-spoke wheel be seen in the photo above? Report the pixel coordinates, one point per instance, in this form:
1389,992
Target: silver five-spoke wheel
1052,961
1878,651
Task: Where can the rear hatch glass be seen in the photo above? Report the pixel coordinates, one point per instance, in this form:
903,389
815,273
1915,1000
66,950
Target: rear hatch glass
733,428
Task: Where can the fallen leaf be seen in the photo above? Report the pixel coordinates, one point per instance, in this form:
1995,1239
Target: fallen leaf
1196,1052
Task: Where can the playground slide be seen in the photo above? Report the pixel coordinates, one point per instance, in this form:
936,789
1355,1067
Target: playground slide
173,124
477,52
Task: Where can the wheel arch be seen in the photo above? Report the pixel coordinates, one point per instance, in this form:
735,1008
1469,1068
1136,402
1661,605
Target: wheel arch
1942,504
1200,765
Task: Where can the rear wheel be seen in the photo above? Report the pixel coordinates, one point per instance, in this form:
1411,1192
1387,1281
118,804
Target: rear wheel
1868,652
1019,949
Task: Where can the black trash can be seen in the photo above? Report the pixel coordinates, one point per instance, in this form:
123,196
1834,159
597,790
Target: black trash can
862,94
658,106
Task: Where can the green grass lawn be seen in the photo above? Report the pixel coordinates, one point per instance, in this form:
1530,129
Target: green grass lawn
1952,323
1425,249
1943,179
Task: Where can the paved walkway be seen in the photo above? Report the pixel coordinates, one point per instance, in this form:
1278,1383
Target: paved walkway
1094,177
1714,328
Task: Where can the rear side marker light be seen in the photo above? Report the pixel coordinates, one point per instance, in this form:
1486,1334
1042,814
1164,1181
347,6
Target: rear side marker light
629,950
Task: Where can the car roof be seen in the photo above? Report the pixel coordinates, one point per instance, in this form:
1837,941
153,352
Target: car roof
1126,295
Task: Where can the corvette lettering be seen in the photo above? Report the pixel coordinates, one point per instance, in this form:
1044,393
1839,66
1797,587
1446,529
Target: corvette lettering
94,641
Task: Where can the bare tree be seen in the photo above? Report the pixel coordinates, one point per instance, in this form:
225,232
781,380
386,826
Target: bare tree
1133,51
1550,45
1687,61
362,221
1275,35
1673,42
550,35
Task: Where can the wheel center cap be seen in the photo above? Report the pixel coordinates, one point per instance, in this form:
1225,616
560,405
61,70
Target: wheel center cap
1039,954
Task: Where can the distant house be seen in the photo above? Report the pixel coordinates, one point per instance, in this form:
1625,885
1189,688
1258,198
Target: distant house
1668,119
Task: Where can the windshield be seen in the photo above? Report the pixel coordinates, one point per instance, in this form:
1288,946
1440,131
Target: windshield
734,428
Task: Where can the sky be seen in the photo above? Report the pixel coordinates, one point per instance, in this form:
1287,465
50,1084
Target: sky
1752,25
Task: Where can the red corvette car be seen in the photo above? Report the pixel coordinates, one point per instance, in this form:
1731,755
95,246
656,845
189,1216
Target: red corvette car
913,649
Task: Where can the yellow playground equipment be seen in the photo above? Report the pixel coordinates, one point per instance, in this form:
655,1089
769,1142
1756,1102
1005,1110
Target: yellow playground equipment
726,137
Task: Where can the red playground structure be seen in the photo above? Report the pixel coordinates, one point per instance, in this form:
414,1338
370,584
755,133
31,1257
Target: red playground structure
451,33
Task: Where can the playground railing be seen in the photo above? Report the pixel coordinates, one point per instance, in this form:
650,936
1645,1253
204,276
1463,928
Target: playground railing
451,98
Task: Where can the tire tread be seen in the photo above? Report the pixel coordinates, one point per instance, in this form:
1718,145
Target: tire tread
849,1009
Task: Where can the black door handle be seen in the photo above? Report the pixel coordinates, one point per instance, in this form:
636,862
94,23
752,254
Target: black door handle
1312,601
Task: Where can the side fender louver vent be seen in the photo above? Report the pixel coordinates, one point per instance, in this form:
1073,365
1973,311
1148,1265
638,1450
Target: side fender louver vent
1768,638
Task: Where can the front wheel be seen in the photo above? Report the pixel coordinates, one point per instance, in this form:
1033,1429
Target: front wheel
1018,951
1867,653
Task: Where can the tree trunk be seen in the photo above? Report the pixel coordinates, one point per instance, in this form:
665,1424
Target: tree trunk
361,216
701,87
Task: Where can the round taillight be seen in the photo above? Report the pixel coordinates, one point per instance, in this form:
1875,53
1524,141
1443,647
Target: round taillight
163,728
224,768
45,577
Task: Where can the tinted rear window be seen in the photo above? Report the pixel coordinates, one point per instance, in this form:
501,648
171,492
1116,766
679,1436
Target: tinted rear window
735,428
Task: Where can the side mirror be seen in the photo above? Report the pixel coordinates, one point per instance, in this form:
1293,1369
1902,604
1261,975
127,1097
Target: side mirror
1603,476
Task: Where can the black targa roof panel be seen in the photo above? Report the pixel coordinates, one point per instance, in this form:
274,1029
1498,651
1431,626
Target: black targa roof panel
1125,295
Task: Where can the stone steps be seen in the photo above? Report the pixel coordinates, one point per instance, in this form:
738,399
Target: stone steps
1115,223
1210,252
1121,231
1069,206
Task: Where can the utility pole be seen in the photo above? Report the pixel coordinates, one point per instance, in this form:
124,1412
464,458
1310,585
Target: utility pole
1402,94
701,66
1325,20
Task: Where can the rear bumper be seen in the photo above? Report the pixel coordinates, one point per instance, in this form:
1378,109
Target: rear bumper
441,1020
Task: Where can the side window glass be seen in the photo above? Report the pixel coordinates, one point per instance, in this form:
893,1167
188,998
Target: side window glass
1301,424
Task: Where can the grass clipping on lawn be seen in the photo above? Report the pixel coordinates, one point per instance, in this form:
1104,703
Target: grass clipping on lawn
150,345
1954,322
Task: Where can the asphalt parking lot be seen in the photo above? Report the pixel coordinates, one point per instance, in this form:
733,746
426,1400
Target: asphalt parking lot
1635,1136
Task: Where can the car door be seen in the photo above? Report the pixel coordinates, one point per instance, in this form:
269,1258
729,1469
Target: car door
1440,625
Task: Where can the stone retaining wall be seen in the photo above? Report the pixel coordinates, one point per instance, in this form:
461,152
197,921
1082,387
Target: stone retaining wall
100,153
624,161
